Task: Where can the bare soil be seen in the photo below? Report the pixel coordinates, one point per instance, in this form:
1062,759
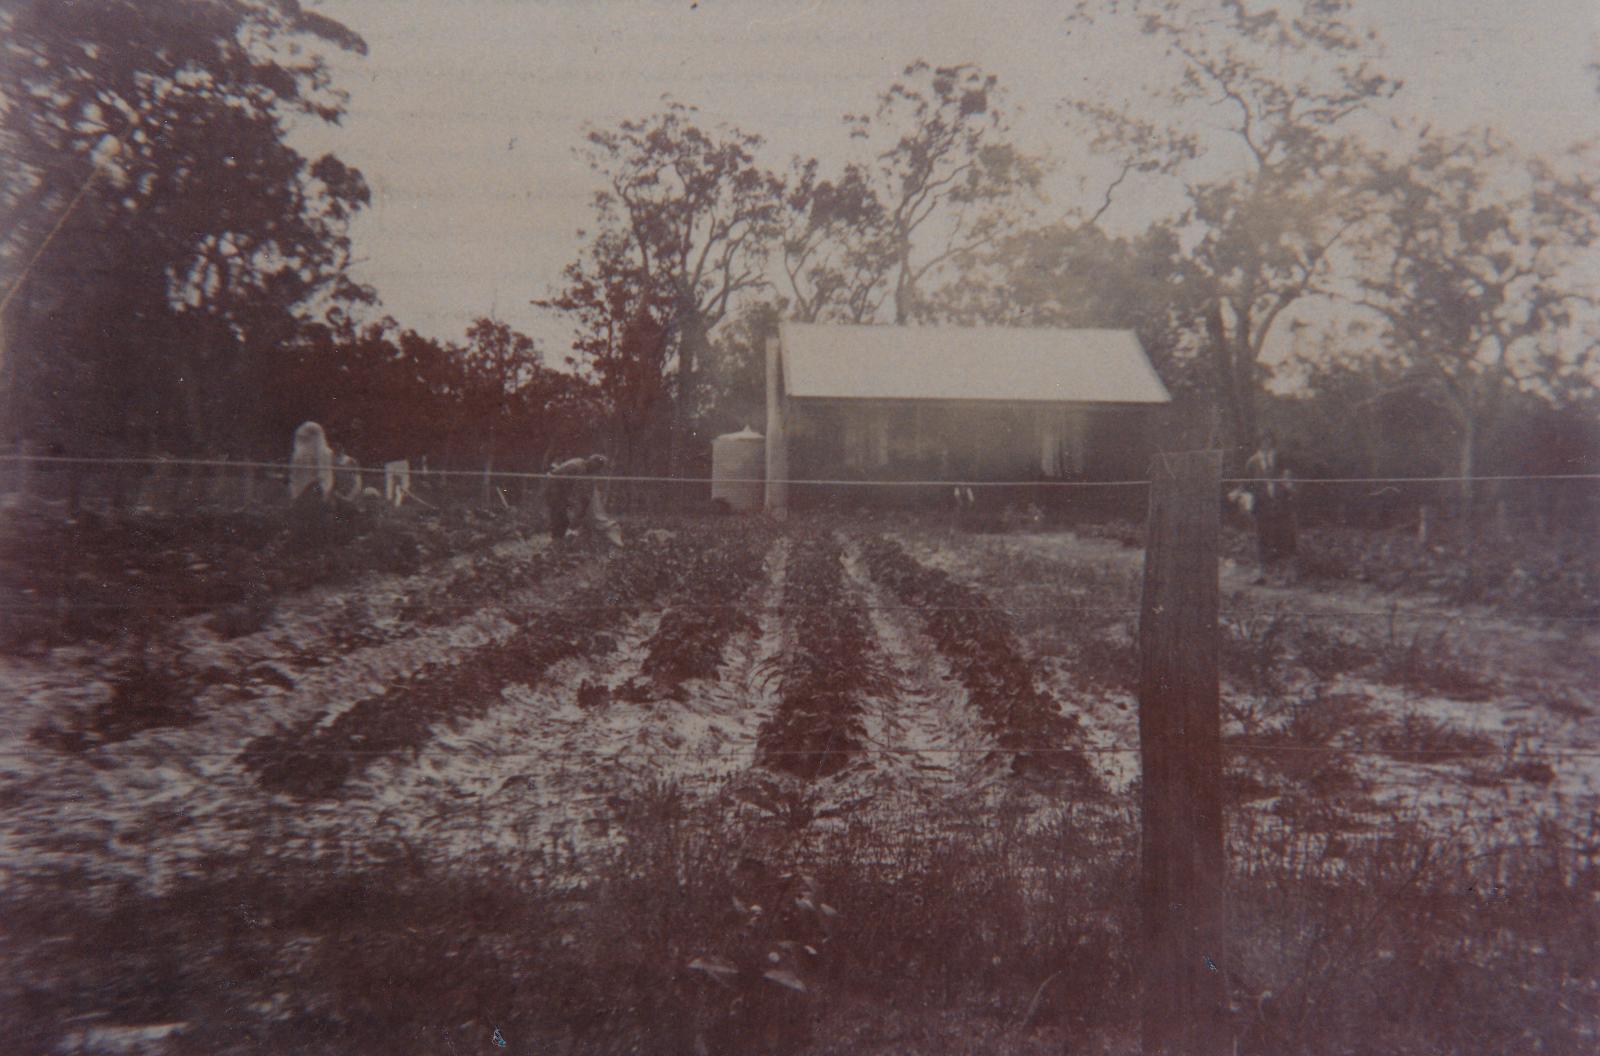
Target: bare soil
567,822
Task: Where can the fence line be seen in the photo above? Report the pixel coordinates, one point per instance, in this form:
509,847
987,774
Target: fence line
377,470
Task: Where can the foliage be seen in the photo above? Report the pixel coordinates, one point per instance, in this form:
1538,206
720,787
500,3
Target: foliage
944,185
1523,573
1472,276
978,642
834,244
685,222
1077,276
1291,186
832,663
384,393
188,235
315,758
689,641
1001,937
736,375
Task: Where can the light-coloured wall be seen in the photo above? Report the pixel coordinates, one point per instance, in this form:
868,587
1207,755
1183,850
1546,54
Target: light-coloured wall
942,441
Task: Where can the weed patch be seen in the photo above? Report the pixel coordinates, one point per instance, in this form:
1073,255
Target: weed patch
1433,665
1420,739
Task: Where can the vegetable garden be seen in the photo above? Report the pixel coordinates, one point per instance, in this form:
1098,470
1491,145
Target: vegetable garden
596,799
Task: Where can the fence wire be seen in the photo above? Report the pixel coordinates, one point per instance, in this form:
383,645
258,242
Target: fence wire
496,474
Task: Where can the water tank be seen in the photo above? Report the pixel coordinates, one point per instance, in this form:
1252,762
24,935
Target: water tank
739,469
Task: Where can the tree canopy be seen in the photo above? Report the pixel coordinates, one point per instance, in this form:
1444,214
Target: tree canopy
165,234
686,220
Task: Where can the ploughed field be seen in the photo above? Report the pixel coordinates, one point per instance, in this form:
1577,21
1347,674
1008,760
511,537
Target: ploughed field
541,793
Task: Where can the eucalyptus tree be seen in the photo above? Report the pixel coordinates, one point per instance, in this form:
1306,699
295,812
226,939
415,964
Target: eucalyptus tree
1479,271
1260,122
946,181
685,222
835,246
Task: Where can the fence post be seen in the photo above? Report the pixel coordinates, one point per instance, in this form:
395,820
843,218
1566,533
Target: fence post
1182,864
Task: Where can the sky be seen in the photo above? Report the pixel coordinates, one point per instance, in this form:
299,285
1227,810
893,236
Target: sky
465,114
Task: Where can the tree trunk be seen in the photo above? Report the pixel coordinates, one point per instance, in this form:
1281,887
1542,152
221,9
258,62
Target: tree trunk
1225,378
1467,465
904,288
693,340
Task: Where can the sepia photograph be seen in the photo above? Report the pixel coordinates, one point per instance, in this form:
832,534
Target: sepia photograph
826,528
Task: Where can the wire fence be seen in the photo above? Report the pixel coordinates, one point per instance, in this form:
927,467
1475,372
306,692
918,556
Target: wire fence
377,471
1238,746
1513,502
1405,616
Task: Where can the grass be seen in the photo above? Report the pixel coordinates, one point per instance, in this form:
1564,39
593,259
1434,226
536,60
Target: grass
1299,749
1011,934
1433,664
1417,738
1527,573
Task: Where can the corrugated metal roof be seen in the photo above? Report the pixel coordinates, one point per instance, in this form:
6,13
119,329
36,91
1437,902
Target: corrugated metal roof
823,360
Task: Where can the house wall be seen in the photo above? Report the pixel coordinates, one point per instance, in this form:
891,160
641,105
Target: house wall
887,440
777,489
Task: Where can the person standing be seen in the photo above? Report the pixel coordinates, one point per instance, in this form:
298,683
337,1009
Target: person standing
1272,502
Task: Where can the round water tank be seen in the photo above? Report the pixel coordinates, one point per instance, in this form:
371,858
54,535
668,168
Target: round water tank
739,470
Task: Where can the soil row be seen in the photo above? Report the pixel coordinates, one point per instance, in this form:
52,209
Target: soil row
317,757
96,577
979,643
689,641
831,665
160,685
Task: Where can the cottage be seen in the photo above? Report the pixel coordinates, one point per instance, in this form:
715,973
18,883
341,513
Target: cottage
894,403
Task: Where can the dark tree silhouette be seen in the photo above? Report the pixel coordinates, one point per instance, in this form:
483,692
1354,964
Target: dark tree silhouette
686,220
161,237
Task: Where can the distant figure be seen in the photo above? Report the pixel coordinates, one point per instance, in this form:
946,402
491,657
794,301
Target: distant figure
965,501
396,481
572,497
348,473
311,461
1271,501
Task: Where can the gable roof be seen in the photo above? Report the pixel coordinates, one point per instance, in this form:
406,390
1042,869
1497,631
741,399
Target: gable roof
824,360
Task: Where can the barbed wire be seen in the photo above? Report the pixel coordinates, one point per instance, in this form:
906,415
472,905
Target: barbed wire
479,474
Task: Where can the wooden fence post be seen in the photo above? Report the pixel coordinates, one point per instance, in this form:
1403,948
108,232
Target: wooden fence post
1182,864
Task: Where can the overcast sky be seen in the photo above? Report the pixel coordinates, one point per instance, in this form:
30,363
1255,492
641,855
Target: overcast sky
465,114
